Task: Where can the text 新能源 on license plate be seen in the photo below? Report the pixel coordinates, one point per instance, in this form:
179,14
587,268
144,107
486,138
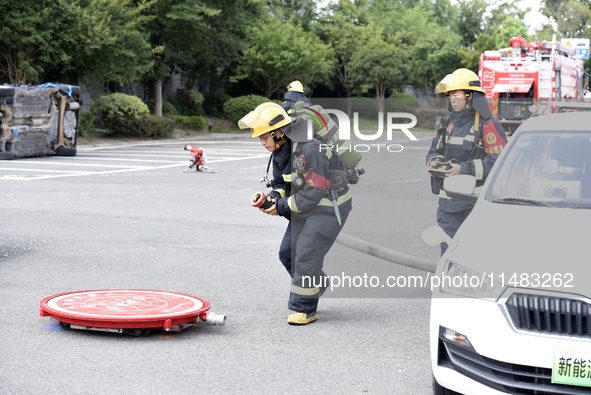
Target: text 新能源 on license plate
572,368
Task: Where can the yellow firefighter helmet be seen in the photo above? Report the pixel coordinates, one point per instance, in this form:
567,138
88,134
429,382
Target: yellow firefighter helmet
295,86
461,79
265,118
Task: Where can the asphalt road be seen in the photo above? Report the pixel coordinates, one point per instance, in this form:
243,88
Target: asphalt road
128,216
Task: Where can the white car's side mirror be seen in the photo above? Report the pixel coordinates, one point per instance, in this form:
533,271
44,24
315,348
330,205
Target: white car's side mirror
435,236
462,183
461,187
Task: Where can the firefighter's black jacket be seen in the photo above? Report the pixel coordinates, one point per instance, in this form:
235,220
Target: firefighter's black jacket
281,182
457,140
311,170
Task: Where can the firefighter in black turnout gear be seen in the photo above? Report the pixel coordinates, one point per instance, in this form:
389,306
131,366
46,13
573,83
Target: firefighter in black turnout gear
279,145
316,180
293,95
467,141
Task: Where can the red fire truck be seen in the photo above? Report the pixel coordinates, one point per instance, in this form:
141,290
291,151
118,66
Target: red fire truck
528,74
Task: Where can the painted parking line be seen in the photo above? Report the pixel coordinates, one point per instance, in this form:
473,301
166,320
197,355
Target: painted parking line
79,174
45,170
141,154
74,164
125,158
124,169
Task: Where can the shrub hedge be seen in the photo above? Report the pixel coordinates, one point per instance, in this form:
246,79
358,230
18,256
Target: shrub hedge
155,127
119,112
189,122
86,123
127,115
237,107
401,102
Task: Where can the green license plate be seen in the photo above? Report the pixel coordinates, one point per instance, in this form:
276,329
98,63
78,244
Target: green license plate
572,368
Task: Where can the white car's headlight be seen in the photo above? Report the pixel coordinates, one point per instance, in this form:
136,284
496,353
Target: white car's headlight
459,280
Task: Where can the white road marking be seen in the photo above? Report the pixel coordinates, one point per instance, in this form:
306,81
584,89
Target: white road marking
45,170
121,169
79,164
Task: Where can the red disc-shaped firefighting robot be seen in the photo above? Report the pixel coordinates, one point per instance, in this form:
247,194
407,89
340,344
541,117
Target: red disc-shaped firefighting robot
119,310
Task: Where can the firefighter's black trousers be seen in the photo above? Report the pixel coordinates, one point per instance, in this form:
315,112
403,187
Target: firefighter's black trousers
285,249
312,236
450,222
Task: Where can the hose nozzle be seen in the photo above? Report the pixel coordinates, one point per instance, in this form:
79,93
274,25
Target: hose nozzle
214,318
259,200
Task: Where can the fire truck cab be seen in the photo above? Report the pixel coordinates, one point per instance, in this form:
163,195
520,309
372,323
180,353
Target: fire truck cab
527,74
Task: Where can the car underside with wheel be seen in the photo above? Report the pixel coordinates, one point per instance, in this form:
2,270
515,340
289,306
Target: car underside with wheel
39,120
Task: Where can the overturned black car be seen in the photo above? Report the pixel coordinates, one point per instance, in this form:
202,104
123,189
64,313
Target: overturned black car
38,120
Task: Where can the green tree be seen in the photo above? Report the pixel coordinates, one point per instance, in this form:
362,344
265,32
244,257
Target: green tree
218,46
498,10
511,27
436,55
67,39
442,12
470,20
484,16
343,29
379,65
471,56
545,32
175,28
280,52
18,49
487,25
117,49
573,19
551,7
429,45
300,12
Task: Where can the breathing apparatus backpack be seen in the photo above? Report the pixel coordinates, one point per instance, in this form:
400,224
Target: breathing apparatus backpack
325,129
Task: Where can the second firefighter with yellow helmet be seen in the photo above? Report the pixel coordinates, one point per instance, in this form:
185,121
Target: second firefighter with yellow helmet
467,141
293,95
301,190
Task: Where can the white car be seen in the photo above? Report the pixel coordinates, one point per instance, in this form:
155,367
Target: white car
512,314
